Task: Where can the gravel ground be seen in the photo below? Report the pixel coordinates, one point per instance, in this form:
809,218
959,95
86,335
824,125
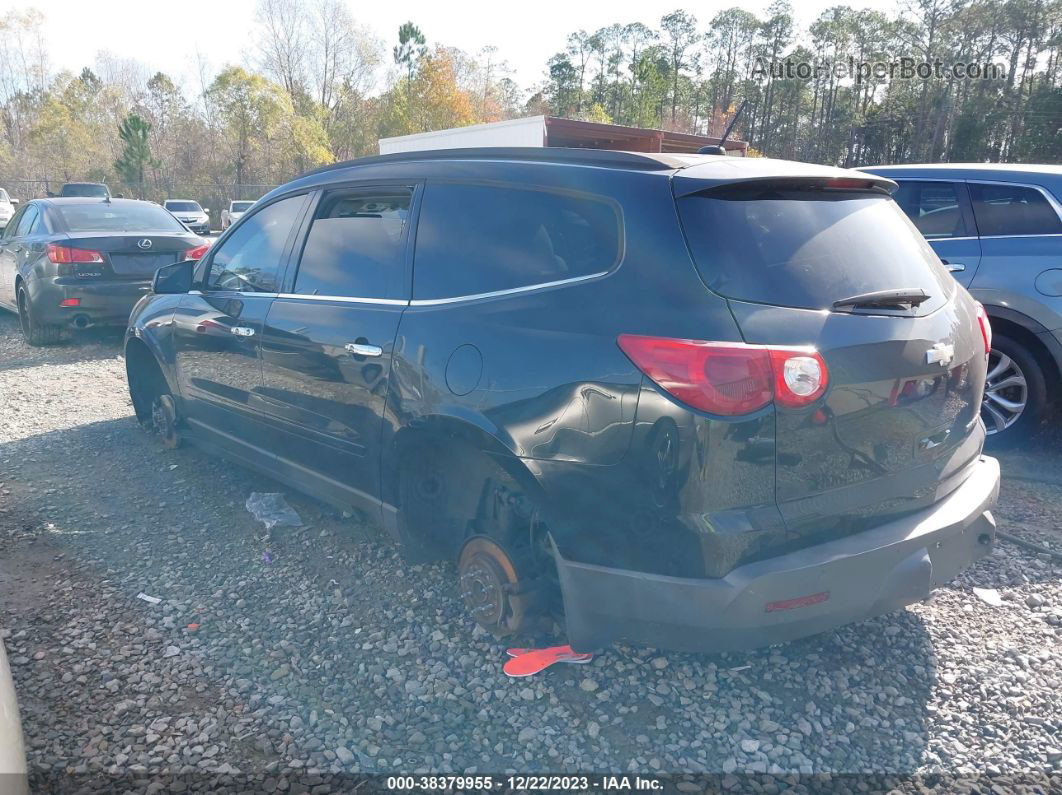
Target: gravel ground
336,658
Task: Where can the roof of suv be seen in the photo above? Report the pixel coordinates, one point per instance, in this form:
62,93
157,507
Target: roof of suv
970,170
717,169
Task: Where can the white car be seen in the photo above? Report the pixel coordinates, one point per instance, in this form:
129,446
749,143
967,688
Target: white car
7,208
190,213
12,749
233,213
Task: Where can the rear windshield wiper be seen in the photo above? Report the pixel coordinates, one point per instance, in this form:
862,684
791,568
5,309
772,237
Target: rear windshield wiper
903,298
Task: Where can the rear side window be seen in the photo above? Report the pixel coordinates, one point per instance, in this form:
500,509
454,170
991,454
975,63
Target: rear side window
806,248
474,239
934,207
26,222
355,246
1013,210
117,217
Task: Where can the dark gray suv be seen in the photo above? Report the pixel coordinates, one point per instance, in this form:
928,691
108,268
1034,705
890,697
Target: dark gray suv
998,229
691,401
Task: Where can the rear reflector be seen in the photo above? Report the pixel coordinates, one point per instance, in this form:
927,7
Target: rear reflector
800,601
728,378
985,326
67,255
70,302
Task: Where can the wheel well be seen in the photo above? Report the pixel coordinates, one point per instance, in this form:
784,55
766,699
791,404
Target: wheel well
1032,343
144,376
455,447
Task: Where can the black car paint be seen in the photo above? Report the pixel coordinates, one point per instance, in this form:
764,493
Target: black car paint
627,477
107,292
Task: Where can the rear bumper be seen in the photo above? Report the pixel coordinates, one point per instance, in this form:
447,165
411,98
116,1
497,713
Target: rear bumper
100,303
848,579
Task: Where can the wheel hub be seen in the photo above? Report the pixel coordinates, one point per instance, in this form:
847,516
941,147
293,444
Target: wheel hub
489,585
1006,393
164,419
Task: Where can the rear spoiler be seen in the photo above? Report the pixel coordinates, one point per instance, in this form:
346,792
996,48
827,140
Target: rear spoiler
783,174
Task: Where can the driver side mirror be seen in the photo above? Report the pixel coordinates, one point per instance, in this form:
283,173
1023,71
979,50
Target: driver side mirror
174,279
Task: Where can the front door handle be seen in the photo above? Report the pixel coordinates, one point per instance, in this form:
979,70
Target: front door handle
361,349
954,267
242,331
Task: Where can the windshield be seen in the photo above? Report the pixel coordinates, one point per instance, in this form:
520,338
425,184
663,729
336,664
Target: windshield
241,207
184,207
3,196
806,248
105,217
85,190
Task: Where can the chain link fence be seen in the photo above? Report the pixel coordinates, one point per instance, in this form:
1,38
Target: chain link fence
211,197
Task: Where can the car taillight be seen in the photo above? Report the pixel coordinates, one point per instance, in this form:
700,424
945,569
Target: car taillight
985,326
729,378
197,253
66,255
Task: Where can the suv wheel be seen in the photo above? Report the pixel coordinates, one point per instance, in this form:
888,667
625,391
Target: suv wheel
1015,399
35,332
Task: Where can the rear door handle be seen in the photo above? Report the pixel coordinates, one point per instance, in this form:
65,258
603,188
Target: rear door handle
954,267
361,349
242,331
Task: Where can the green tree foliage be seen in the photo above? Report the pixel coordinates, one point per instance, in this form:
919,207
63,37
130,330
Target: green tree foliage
135,159
318,87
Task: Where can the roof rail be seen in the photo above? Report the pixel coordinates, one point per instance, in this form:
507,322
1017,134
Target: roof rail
605,158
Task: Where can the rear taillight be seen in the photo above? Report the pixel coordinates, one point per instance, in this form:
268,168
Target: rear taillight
985,326
66,255
728,378
196,253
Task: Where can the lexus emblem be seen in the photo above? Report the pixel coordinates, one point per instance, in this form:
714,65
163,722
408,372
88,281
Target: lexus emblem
941,354
145,243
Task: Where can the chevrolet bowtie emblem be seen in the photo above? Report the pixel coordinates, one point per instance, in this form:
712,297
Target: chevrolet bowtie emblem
941,354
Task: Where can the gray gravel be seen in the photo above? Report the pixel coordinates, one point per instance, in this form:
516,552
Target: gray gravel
338,658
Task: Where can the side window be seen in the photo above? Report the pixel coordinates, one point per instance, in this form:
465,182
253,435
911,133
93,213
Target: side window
474,239
251,259
1013,210
27,221
12,226
934,207
355,245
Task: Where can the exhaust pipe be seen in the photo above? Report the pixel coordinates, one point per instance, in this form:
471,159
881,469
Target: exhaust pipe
82,321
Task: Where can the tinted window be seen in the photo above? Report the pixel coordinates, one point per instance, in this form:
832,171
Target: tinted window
12,224
117,217
184,207
806,248
251,258
241,207
26,222
475,239
355,245
933,207
85,190
1013,210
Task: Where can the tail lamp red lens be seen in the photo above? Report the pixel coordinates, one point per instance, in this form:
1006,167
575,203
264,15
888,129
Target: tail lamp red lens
985,326
65,255
70,302
196,253
728,378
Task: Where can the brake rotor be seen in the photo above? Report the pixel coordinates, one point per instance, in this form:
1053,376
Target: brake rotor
490,585
164,420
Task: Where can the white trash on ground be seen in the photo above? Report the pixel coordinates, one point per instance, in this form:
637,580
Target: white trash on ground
272,510
989,596
150,599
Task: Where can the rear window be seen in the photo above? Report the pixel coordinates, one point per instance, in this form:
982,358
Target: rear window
475,239
108,217
806,248
183,207
85,190
1013,210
